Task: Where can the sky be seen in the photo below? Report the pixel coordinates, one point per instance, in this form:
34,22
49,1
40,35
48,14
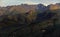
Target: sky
18,2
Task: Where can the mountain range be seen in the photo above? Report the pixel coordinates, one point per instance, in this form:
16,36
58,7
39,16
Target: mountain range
30,19
23,8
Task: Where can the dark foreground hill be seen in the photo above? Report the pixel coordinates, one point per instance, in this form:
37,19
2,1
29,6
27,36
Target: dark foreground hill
26,21
18,25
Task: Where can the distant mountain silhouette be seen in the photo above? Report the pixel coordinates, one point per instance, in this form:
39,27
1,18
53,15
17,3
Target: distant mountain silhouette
41,8
23,8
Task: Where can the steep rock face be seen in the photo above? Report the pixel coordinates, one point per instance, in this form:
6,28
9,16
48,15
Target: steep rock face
54,6
41,8
17,9
23,8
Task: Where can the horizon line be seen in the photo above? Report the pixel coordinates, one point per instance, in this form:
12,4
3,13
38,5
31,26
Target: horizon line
28,4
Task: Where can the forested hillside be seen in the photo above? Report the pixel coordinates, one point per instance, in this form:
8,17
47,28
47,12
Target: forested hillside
30,21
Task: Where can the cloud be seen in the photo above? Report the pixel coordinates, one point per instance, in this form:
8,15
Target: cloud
1,3
17,2
8,2
30,3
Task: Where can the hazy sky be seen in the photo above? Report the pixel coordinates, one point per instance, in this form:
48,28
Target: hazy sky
18,2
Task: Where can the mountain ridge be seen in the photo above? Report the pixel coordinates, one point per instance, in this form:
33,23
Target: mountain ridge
23,8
